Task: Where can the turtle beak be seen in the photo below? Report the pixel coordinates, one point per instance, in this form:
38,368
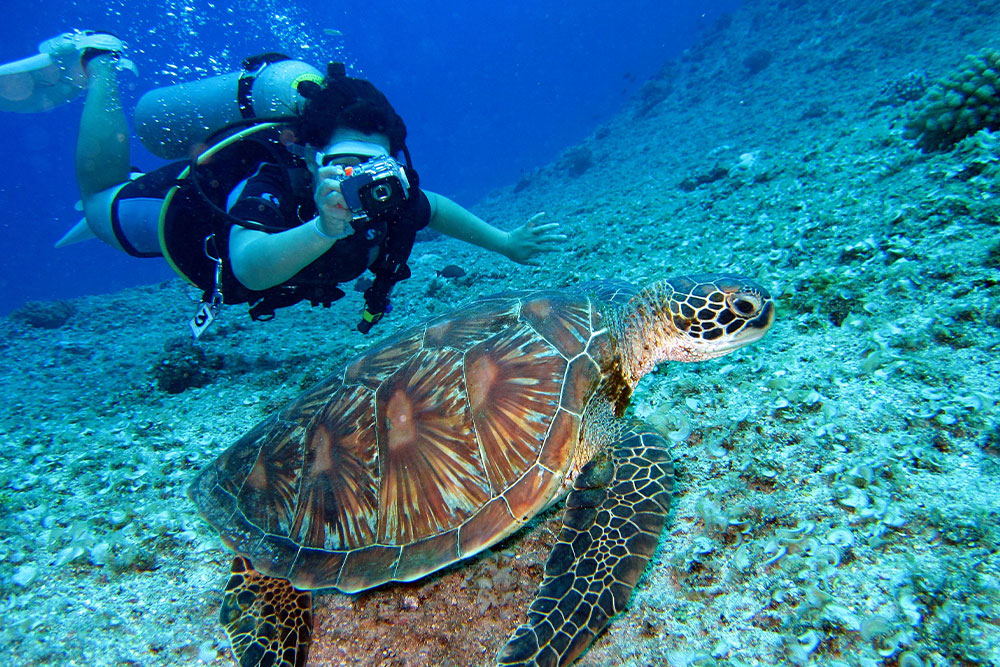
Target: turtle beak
754,329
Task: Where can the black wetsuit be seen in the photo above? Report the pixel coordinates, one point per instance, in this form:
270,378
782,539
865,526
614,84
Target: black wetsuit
278,197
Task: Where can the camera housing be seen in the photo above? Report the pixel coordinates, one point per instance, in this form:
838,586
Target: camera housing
375,188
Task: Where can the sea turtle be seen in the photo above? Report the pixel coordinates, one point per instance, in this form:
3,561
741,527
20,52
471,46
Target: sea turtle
449,436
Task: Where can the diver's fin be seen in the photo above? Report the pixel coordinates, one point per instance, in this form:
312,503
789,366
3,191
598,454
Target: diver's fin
124,64
80,232
38,83
55,75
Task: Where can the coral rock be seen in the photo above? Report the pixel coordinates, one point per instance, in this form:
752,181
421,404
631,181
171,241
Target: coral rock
959,105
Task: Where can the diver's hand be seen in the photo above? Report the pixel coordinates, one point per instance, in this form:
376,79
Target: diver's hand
529,240
334,215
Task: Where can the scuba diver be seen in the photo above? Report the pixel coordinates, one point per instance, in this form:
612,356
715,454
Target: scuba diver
291,182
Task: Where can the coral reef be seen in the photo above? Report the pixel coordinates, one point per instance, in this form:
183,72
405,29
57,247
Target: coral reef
959,105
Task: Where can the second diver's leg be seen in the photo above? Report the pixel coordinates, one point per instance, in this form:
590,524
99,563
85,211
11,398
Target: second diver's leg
102,149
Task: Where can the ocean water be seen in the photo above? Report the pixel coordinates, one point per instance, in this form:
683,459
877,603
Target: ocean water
488,91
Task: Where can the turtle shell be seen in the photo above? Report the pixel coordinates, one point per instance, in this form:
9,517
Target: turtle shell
428,448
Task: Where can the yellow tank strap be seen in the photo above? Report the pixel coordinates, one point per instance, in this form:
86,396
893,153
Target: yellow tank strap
160,226
208,153
229,141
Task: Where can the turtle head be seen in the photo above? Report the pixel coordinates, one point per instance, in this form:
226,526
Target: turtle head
692,318
712,315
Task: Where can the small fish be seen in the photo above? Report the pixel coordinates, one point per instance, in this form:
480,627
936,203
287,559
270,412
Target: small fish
363,283
333,32
451,271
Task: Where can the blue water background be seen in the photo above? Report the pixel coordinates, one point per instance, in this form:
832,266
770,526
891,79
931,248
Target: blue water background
488,91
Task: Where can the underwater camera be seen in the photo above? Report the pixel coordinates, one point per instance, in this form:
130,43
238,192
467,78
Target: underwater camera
375,188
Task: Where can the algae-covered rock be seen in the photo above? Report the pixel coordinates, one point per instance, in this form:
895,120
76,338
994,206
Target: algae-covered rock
959,105
183,366
908,88
44,314
577,160
757,61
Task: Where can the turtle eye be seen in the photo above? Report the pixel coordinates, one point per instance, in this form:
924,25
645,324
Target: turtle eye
743,304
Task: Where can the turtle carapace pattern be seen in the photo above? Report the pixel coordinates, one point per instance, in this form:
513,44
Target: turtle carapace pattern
447,437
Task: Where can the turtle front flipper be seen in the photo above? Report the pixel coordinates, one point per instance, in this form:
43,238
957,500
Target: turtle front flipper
611,527
269,621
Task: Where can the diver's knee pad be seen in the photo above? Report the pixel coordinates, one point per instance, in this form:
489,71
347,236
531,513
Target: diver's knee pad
127,218
97,213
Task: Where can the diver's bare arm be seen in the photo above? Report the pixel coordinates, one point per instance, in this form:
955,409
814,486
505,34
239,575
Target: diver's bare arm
522,245
261,260
454,220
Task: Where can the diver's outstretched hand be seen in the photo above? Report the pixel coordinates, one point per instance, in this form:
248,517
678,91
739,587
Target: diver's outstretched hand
525,243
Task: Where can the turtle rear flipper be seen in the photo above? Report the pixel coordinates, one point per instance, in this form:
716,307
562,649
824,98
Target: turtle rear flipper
611,527
269,621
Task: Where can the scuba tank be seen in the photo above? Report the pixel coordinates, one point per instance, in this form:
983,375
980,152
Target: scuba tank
175,122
